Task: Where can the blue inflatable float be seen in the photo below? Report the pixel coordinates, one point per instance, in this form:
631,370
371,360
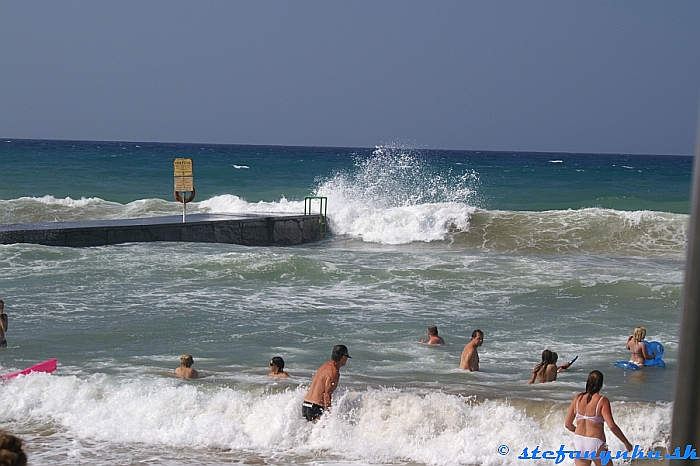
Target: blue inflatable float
653,347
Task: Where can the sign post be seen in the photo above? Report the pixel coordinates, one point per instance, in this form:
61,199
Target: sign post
184,183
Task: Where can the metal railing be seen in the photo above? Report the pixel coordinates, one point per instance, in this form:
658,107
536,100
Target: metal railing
323,207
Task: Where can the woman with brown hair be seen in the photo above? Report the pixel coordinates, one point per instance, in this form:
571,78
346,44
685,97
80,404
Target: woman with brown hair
590,410
547,370
541,371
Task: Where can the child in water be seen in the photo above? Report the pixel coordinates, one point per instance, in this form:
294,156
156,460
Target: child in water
547,370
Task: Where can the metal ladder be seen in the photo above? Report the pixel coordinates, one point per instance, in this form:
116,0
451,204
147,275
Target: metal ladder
323,207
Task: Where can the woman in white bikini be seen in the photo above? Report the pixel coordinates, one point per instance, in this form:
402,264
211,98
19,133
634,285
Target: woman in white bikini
591,410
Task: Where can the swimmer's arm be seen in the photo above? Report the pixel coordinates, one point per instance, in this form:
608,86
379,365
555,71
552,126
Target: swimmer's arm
3,322
569,421
532,379
475,360
617,432
328,388
564,366
464,359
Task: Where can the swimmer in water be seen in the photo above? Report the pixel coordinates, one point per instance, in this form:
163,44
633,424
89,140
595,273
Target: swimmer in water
324,383
185,370
638,348
277,368
433,337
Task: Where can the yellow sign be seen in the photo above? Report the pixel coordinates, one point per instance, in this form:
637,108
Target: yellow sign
184,183
184,179
183,167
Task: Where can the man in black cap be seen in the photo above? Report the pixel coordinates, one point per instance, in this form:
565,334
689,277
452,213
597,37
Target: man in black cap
323,384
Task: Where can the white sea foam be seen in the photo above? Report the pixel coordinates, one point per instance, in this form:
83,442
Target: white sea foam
399,225
394,197
590,230
385,217
51,209
229,203
394,225
391,198
374,425
67,201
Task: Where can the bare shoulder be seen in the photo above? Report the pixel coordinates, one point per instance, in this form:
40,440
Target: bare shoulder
186,373
327,369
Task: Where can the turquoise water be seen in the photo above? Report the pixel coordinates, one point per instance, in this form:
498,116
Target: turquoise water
562,251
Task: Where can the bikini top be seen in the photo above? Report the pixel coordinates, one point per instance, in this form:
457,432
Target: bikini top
590,418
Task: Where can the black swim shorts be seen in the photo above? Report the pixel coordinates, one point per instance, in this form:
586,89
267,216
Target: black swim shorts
311,411
3,344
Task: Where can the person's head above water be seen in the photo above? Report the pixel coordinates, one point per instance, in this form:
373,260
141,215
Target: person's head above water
594,383
186,360
478,337
278,362
547,356
639,334
11,452
339,351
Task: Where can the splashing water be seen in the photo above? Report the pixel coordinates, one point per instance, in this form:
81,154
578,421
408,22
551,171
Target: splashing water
398,177
397,196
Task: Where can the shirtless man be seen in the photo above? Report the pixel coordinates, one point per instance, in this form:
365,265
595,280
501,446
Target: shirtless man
433,337
3,324
638,348
470,355
324,383
185,370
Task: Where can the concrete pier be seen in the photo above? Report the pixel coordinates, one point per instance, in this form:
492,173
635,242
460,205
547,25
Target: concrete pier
244,229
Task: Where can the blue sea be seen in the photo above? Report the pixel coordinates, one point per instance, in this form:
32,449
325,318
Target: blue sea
538,250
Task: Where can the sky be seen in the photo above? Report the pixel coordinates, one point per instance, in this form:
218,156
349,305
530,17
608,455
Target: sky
589,76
